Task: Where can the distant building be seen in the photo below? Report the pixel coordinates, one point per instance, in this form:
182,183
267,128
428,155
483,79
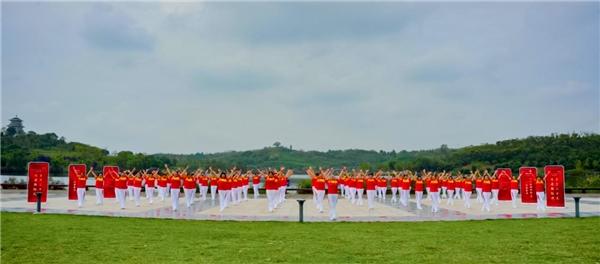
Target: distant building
15,127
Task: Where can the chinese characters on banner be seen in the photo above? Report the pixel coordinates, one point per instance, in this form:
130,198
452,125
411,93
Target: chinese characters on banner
504,176
74,171
528,176
110,172
555,185
38,180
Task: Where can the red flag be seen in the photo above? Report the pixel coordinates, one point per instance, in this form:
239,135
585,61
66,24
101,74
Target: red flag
528,176
109,185
74,170
38,180
504,177
555,185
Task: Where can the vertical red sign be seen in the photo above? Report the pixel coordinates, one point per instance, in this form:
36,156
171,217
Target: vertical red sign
74,171
38,180
109,173
504,176
527,176
555,185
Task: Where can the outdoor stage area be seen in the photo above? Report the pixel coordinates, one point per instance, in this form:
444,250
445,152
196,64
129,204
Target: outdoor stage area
256,210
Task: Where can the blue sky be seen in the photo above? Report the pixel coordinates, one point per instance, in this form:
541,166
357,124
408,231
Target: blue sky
208,77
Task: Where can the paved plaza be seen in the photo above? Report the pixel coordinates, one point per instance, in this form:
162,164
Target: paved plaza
256,210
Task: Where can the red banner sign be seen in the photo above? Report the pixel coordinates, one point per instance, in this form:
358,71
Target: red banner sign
504,177
110,172
527,176
555,185
74,171
38,180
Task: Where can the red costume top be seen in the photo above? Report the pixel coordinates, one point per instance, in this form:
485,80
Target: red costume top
255,180
487,186
121,182
467,185
514,184
332,186
539,186
81,181
360,183
137,182
419,186
320,184
189,182
434,186
495,184
175,182
99,182
162,181
370,184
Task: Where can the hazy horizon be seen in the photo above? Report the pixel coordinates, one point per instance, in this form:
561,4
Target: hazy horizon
182,78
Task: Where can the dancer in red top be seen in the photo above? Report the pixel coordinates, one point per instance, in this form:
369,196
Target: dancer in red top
121,187
418,190
514,190
162,182
352,187
256,183
99,184
394,184
224,191
130,178
478,186
320,185
487,191
434,186
80,184
495,189
137,187
150,183
360,185
175,181
405,189
332,196
539,192
203,183
467,188
271,189
450,189
214,183
189,187
371,184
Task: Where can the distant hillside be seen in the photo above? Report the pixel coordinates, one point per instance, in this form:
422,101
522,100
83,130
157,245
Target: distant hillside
579,153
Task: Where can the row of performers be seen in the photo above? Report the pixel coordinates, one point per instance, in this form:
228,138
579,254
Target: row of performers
437,186
231,186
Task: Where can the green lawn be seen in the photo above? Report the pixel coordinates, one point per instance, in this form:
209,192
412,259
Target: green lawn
78,239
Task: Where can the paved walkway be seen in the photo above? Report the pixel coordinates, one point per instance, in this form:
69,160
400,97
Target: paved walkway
256,210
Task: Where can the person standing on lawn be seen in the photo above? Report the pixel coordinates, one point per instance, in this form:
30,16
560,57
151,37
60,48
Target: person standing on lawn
99,184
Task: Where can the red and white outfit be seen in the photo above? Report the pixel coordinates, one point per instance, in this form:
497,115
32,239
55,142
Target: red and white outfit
255,184
359,190
99,190
495,191
404,191
514,191
162,187
203,186
458,186
371,192
450,190
130,187
137,189
283,181
352,190
434,192
444,185
214,183
479,189
189,189
121,190
419,192
80,184
320,187
332,196
150,185
487,193
271,188
245,185
224,191
175,184
467,190
382,186
539,192
394,184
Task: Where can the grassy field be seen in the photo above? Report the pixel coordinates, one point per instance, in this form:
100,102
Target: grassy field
28,238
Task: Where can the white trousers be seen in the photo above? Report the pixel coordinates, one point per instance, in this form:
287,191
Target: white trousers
80,196
245,192
150,194
223,199
136,195
370,198
486,201
404,195
168,189
99,196
419,197
342,190
458,193
175,199
427,196
130,192
282,191
203,192
162,193
189,196
394,191
479,195
495,196
120,193
314,191
213,192
332,204
383,191
513,196
467,199
320,197
540,201
271,196
359,193
450,197
255,189
444,196
353,195
435,201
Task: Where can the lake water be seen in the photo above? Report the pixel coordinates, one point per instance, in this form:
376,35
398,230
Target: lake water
294,180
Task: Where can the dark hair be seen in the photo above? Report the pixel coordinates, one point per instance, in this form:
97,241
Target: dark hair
223,174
